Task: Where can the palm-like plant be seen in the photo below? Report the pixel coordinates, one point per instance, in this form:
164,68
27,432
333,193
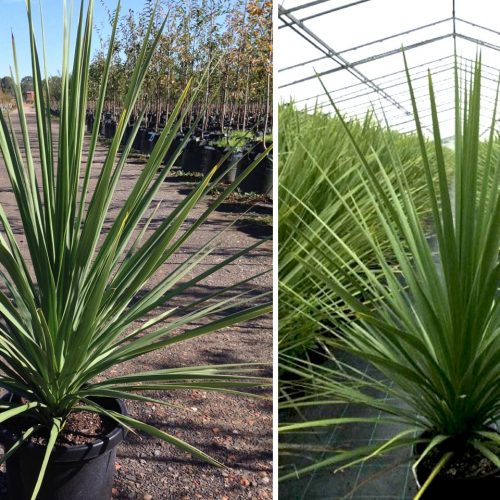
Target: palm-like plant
431,324
71,317
318,164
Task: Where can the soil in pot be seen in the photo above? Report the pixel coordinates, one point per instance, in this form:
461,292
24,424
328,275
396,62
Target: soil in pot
467,475
82,465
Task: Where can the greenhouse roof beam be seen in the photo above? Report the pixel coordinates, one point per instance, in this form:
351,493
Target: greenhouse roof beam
313,3
437,91
427,115
290,24
408,99
369,59
479,42
346,64
329,11
349,104
348,97
483,65
478,26
399,72
364,45
402,80
421,87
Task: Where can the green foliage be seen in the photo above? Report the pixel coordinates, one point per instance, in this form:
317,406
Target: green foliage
432,325
233,35
236,139
318,165
73,315
27,84
7,86
54,84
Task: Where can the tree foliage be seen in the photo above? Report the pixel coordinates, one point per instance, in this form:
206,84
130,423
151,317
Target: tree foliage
233,38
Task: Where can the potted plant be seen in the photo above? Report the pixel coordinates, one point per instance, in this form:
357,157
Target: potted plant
429,322
234,144
69,313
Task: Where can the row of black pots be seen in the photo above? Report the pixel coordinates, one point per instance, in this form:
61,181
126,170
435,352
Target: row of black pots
77,472
213,125
201,158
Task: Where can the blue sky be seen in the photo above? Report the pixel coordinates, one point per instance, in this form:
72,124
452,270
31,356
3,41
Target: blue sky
13,18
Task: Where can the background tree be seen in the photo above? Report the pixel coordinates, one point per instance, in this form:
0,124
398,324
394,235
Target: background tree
26,84
232,38
55,90
7,85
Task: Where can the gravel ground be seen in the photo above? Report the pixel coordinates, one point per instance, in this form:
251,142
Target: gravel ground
235,430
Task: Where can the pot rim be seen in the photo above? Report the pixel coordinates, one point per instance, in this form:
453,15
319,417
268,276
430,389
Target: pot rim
490,475
79,452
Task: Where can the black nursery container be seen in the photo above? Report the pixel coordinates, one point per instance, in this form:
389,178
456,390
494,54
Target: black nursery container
127,133
232,163
172,149
149,143
89,120
140,139
235,163
485,487
74,473
260,180
110,129
209,158
192,156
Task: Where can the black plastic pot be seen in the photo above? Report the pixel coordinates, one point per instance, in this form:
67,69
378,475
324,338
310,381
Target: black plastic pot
110,129
82,472
90,122
260,180
152,139
172,149
209,158
234,164
268,175
140,138
191,157
127,133
485,487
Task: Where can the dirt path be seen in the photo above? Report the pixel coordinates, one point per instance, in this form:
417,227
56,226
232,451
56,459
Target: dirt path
235,430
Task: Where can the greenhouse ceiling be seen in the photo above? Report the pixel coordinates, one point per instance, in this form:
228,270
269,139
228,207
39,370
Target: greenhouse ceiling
355,46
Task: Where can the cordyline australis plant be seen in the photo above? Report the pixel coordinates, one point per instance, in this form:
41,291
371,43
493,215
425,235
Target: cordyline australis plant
432,328
66,323
316,161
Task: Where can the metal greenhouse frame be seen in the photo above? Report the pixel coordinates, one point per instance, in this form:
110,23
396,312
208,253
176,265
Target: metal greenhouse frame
386,92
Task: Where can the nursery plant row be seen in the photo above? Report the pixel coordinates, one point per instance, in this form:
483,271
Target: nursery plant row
200,151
